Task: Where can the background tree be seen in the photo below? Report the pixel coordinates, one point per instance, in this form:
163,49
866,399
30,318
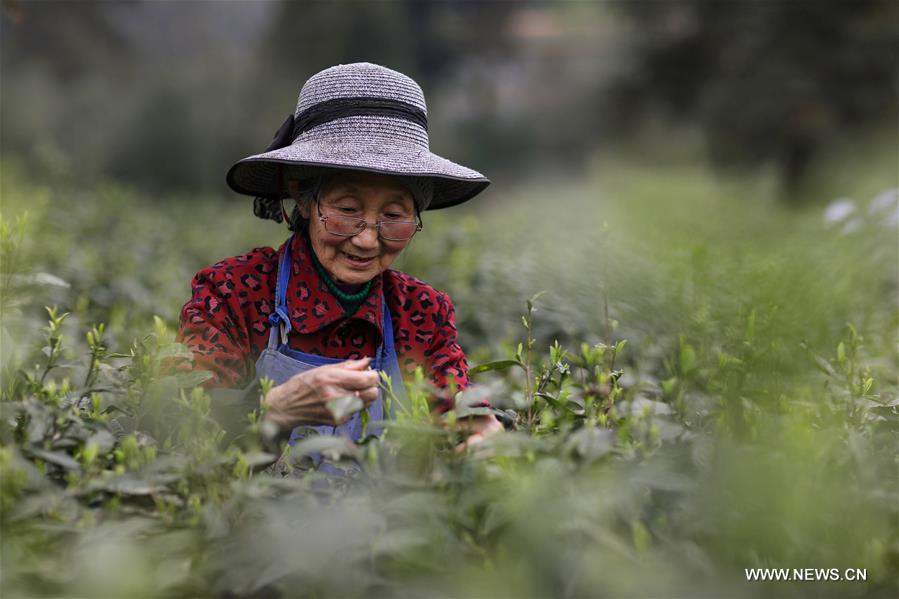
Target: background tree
766,81
168,95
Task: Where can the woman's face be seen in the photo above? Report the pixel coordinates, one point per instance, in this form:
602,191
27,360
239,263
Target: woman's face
355,260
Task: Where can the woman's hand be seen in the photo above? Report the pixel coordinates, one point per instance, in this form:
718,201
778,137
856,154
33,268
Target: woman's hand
478,429
302,400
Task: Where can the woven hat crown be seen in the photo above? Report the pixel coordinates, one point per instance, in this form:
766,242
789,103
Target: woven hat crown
358,116
360,80
386,93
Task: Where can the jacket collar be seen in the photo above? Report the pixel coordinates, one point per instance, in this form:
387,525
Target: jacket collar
310,303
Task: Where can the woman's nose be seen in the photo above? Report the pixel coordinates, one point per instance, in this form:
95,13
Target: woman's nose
367,239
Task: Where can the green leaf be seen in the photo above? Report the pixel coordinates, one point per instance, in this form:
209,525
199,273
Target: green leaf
643,406
750,325
642,537
591,443
726,360
824,366
332,447
160,327
394,541
256,459
175,350
866,385
59,458
668,385
345,406
534,299
103,440
496,365
687,358
125,485
575,404
548,398
186,380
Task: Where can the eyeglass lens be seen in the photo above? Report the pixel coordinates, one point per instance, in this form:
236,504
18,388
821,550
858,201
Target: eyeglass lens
391,230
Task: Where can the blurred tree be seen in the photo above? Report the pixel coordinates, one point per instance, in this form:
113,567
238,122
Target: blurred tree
767,81
158,150
305,37
135,90
449,48
68,43
57,59
420,38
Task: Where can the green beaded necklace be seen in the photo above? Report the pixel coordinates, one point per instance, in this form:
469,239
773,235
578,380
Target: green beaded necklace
349,301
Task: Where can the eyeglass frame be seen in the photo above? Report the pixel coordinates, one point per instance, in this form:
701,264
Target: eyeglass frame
377,225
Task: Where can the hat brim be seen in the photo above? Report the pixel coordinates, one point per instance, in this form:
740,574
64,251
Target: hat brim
259,175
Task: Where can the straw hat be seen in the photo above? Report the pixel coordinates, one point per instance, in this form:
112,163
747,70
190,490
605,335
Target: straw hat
364,117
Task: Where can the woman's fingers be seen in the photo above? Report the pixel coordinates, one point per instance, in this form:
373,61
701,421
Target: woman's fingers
360,364
479,428
369,395
468,443
352,380
357,377
357,381
305,399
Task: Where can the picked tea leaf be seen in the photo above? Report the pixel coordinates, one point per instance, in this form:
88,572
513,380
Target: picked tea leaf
344,407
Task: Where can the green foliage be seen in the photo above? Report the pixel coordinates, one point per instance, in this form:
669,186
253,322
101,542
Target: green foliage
594,471
704,395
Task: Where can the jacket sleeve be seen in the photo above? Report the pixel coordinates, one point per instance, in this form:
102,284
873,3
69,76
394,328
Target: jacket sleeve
215,330
446,360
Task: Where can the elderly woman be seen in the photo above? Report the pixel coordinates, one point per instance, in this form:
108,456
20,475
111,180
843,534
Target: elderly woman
324,314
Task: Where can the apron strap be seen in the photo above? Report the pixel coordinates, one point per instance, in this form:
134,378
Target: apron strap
280,321
387,330
279,317
389,362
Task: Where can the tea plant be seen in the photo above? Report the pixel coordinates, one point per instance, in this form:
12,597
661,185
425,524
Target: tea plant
708,410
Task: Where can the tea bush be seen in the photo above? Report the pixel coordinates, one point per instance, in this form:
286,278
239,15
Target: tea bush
703,388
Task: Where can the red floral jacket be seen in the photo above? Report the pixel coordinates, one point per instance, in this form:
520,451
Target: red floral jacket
225,322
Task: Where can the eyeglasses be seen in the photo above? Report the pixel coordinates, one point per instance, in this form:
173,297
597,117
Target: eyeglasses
350,226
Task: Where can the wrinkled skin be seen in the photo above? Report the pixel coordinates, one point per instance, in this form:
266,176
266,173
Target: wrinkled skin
359,195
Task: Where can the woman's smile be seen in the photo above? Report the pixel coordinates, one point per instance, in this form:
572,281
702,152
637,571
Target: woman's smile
358,261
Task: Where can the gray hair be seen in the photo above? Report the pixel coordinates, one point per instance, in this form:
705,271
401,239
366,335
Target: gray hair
309,190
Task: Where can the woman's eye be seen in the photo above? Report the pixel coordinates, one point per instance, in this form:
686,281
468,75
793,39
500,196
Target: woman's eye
394,216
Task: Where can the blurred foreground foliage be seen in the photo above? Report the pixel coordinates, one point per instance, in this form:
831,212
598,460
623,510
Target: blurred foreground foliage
706,386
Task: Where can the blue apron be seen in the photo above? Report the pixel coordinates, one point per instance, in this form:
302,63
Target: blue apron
279,363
